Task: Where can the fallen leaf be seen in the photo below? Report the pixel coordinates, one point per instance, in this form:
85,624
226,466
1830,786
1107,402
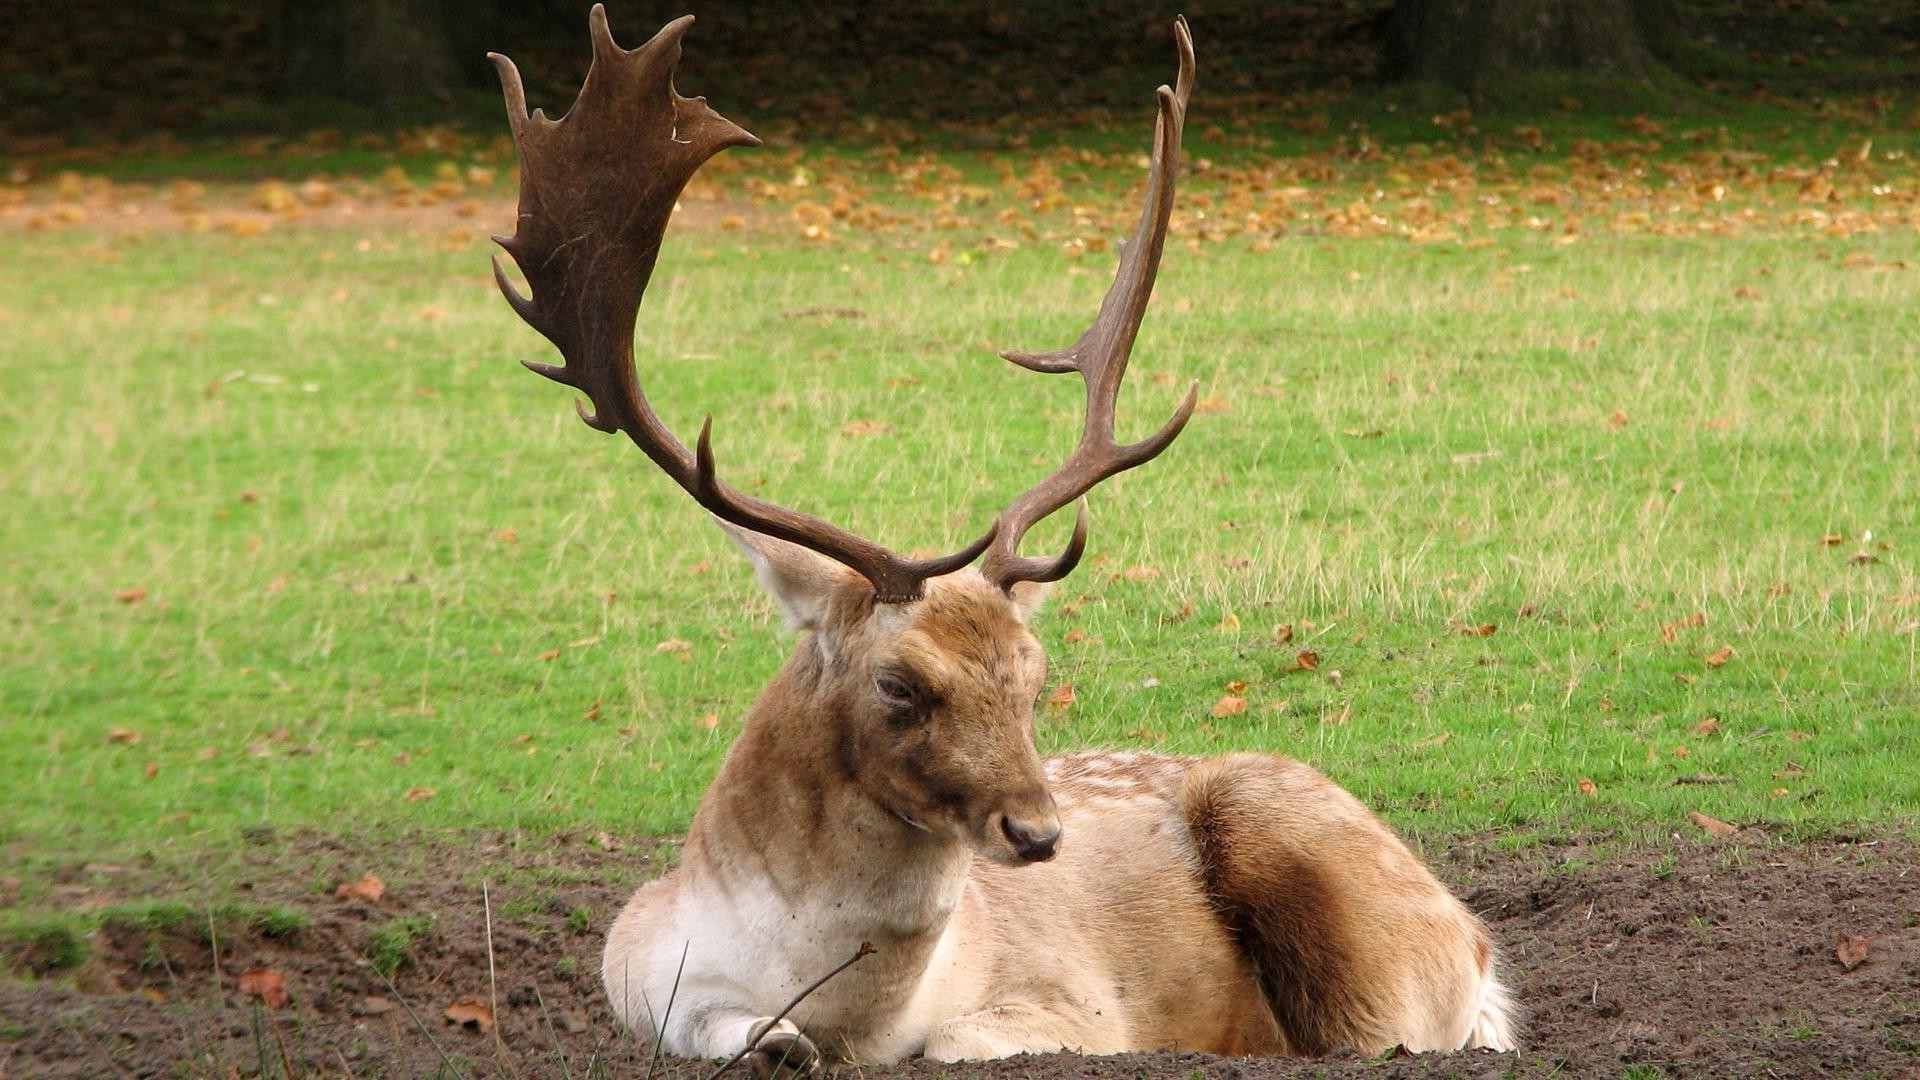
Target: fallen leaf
1140,573
673,645
550,654
1075,636
471,1014
1062,697
1282,633
267,986
419,794
1618,419
1671,631
1308,659
1832,539
1229,705
507,535
710,721
368,890
1720,656
1236,686
131,596
1587,786
1712,825
1230,624
1707,727
593,713
1851,952
123,736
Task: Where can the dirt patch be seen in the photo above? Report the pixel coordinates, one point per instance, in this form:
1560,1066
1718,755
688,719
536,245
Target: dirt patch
1692,960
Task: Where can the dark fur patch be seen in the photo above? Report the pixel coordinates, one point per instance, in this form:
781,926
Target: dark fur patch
1284,913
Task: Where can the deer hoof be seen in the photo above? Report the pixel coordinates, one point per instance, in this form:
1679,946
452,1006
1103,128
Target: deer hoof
784,1053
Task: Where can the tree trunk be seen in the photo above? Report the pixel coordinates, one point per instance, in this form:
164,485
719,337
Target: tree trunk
377,52
1472,45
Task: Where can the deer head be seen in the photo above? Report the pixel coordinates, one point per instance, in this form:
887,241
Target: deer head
922,670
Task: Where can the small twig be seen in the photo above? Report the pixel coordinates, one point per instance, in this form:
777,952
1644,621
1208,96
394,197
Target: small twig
493,987
866,949
431,1041
280,1043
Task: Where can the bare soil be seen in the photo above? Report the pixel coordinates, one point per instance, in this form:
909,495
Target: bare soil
1715,960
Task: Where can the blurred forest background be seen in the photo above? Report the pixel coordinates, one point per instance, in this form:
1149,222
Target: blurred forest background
112,72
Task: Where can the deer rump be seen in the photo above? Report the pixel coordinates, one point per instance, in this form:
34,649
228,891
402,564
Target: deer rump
885,796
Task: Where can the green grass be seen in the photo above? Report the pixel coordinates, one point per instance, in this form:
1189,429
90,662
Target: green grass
357,556
390,945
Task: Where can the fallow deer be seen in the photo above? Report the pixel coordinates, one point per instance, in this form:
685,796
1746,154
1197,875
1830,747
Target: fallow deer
885,787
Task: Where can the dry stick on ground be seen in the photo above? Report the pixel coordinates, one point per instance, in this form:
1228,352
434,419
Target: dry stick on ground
866,949
493,986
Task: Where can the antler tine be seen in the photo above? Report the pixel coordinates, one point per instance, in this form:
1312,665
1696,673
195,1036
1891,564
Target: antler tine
1100,356
597,188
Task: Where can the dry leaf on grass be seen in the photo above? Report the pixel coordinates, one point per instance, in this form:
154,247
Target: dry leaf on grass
123,736
131,596
471,1014
1229,706
418,794
1588,787
369,889
1308,660
267,986
1061,698
1720,656
1712,825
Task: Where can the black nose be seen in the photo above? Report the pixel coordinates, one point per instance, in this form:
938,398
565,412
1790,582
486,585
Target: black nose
1032,845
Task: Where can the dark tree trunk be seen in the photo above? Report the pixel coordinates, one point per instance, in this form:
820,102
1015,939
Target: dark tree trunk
1472,45
377,52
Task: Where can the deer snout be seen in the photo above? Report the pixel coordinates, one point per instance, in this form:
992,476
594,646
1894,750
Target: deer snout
1032,841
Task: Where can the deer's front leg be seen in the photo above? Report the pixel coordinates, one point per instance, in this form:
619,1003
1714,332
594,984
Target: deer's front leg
1006,1030
721,1031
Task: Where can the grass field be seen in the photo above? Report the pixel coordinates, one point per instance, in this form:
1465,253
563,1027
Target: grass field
1533,492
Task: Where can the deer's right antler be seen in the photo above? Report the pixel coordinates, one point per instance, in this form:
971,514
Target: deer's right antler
596,189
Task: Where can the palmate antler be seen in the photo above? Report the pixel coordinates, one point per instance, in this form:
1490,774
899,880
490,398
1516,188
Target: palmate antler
596,189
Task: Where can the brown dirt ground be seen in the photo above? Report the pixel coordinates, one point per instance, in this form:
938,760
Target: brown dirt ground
1692,960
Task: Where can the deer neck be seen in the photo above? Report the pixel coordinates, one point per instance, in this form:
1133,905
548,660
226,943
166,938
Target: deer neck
787,814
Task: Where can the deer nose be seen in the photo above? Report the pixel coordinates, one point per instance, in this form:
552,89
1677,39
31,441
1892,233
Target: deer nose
1031,843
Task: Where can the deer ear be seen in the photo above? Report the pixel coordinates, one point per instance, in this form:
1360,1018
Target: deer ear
802,582
1028,596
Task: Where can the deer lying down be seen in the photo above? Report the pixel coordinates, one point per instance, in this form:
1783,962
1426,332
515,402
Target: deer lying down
885,788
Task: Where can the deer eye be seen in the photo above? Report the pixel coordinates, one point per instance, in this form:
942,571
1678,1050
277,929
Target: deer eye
893,688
